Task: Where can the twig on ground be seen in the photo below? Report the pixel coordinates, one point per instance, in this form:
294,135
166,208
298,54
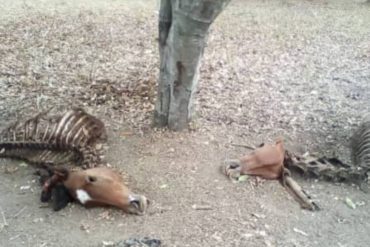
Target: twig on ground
5,223
19,212
12,74
201,207
15,237
243,146
300,232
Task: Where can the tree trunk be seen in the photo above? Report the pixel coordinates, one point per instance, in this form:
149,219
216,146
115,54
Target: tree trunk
183,28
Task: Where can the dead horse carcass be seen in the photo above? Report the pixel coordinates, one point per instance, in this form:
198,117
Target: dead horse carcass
268,161
56,142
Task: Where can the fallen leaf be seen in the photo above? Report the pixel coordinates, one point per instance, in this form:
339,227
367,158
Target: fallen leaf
350,203
23,164
163,186
243,178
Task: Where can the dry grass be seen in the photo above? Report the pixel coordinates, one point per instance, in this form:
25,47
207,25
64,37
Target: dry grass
83,58
300,71
294,68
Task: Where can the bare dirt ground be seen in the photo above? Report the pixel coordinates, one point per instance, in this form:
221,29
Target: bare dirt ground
298,69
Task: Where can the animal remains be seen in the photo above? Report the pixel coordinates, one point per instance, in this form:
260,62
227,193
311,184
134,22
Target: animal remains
333,169
274,162
267,162
58,145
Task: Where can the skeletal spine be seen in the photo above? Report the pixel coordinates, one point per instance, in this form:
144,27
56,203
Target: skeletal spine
332,169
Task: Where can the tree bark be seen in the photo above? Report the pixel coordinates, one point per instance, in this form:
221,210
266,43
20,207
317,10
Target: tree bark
183,29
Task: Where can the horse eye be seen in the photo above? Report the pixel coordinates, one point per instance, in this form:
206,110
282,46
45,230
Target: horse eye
91,179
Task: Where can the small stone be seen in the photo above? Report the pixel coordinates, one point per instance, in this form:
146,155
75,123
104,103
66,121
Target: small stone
38,220
107,243
85,227
350,203
163,186
247,235
98,146
25,187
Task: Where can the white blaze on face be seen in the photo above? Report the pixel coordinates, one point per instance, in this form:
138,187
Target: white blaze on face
83,196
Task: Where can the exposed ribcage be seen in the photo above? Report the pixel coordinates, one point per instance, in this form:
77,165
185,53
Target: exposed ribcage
60,139
360,145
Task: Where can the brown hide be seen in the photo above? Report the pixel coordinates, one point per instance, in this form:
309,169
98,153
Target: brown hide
103,186
266,161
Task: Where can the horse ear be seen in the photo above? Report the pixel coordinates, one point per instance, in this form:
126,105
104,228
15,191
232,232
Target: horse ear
61,197
91,179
